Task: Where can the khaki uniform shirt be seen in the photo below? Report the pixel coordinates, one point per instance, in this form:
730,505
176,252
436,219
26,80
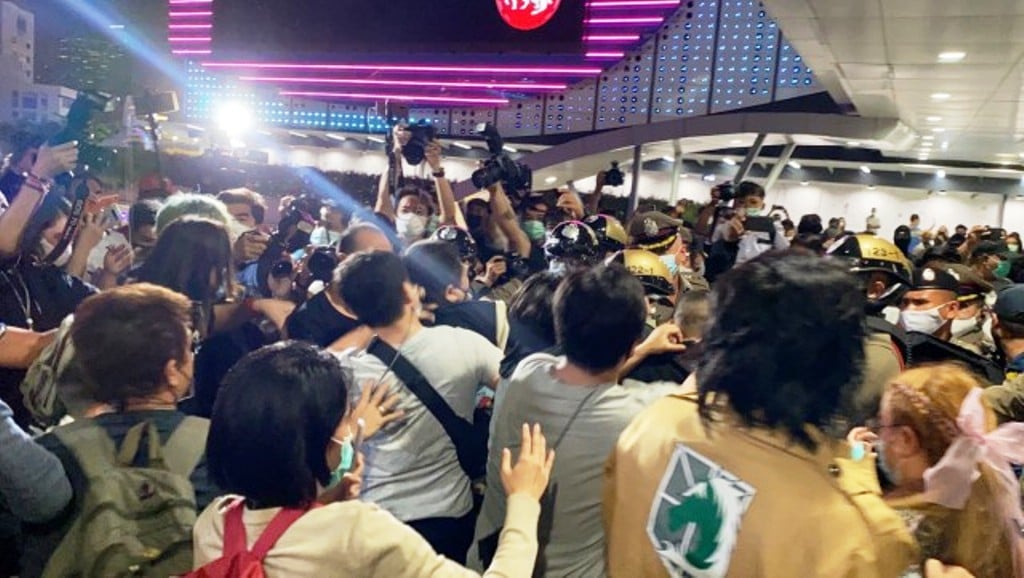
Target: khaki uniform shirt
742,502
1007,400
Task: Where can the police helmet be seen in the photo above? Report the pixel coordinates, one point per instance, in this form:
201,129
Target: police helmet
461,238
572,240
610,233
648,269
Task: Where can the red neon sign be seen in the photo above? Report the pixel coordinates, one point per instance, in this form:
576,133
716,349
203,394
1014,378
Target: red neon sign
527,14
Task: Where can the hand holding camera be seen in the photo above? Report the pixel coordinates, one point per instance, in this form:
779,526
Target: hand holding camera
54,160
433,155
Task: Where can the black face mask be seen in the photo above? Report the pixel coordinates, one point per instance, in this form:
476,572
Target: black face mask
474,222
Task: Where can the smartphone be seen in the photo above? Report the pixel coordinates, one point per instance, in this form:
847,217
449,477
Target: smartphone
759,224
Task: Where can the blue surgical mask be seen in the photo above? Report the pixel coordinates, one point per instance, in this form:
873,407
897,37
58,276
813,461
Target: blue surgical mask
670,262
346,459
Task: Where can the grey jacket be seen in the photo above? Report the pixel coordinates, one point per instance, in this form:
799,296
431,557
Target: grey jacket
32,481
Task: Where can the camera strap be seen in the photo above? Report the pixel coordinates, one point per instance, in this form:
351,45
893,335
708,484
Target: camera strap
74,221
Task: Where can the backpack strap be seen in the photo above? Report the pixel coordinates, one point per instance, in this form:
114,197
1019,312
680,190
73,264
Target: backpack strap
235,541
92,448
273,532
187,445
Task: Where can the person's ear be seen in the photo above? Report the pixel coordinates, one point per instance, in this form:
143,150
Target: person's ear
906,443
875,289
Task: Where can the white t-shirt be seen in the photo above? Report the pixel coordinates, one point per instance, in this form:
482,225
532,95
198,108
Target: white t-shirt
534,395
412,469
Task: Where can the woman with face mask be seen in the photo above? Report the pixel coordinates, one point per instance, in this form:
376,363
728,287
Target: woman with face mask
284,438
936,442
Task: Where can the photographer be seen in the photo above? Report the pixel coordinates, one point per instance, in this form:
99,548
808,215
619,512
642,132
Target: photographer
412,215
49,162
21,160
742,233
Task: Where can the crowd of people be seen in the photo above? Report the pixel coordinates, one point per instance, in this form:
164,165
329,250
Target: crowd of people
510,384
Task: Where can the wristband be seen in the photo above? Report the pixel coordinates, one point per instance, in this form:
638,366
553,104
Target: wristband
35,183
439,173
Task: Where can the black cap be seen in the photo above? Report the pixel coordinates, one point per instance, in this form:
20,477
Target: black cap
1010,304
935,278
986,248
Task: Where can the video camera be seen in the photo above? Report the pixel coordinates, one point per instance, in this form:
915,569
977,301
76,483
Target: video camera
514,176
614,177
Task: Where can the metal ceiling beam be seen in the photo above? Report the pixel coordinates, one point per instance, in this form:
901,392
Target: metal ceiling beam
748,161
634,188
780,165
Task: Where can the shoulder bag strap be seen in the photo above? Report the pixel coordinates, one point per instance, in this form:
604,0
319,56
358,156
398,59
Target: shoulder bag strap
420,387
235,540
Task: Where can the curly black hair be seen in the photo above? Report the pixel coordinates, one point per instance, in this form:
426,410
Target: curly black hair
785,345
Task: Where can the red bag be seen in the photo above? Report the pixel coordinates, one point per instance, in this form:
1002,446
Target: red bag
237,561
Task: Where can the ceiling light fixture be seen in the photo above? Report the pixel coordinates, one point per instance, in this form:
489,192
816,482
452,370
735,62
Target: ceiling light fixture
337,137
865,169
938,129
729,161
462,146
551,180
375,139
934,119
940,173
804,183
794,165
944,146
296,134
853,143
709,178
952,56
941,96
509,149
928,137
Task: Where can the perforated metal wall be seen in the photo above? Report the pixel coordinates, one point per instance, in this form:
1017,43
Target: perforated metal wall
746,56
524,118
794,78
571,111
686,52
709,56
624,90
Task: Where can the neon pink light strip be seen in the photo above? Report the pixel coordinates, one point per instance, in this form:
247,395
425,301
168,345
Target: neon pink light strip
431,83
191,51
190,26
401,97
174,14
620,21
612,38
497,70
187,2
605,54
632,3
187,39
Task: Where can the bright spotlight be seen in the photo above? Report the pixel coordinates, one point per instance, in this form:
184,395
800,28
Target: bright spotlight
233,117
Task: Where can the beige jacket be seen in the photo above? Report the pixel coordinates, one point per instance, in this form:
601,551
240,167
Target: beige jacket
359,539
742,502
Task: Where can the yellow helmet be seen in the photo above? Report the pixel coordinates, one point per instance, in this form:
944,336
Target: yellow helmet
870,253
610,232
648,269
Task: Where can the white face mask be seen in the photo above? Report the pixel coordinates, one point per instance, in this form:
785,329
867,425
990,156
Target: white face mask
64,257
928,321
962,327
411,226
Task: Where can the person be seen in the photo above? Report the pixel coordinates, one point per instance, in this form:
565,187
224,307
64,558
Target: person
33,187
438,269
686,329
672,242
657,281
951,476
333,221
152,327
916,234
789,229
413,470
931,304
1007,399
698,483
33,486
293,395
747,234
245,206
204,206
901,238
884,274
1013,245
968,329
571,246
611,235
142,228
22,158
576,399
988,260
534,217
873,223
531,318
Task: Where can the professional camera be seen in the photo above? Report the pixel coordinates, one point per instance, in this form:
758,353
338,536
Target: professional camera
322,263
726,192
614,177
420,135
516,177
292,234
